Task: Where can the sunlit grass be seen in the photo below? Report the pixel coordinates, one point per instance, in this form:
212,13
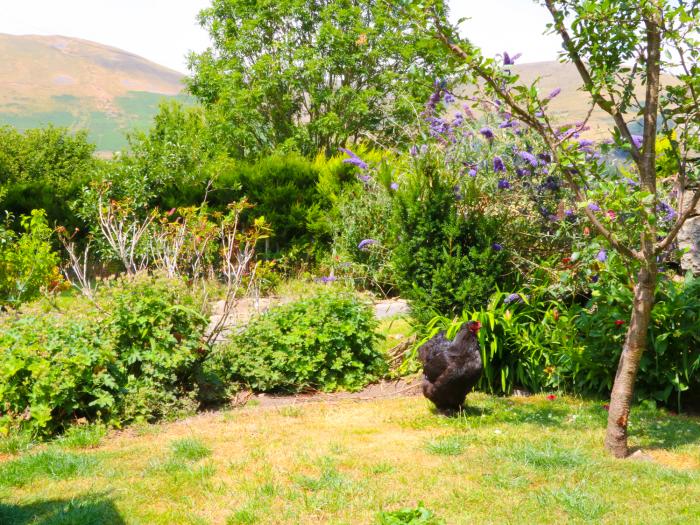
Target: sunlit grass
500,461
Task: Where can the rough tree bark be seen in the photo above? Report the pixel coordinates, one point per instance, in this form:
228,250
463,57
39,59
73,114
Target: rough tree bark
635,345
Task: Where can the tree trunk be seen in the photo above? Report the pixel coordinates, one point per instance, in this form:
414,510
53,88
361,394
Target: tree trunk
635,344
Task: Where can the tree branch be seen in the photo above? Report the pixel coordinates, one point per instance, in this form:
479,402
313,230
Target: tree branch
604,104
673,233
541,130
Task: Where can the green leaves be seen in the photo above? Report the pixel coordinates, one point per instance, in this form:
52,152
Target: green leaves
326,342
136,360
312,75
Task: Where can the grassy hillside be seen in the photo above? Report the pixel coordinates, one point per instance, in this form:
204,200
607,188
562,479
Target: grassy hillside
80,84
572,104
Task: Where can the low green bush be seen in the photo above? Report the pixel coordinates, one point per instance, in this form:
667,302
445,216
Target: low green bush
326,342
131,356
28,262
669,368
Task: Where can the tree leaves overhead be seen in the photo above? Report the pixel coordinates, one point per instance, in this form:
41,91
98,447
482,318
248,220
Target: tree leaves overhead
310,74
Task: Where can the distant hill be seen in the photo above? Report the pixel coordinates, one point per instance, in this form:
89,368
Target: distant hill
572,104
82,85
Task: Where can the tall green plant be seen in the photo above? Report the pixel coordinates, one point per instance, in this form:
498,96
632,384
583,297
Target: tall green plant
526,342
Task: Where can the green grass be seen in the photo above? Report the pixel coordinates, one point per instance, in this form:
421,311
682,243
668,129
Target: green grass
189,449
446,445
83,436
15,443
519,460
52,464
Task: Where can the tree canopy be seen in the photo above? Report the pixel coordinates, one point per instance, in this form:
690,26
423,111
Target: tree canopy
311,75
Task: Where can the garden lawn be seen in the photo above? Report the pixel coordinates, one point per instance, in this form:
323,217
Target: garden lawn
517,460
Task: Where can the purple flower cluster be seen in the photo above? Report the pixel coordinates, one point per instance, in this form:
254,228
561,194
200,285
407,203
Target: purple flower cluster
510,60
366,243
529,158
668,211
554,93
498,165
503,184
487,133
354,159
513,298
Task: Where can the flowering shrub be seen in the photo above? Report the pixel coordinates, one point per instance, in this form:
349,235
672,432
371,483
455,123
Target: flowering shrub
326,342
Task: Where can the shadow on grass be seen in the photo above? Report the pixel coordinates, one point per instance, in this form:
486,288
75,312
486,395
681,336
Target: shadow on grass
661,431
506,411
86,510
653,428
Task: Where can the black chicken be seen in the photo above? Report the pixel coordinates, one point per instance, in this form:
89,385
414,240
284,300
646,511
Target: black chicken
451,368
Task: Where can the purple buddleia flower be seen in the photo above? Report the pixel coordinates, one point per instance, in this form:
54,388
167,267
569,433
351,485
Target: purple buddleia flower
585,144
670,213
630,182
366,243
496,247
529,158
638,141
449,98
593,207
522,173
487,133
354,159
413,151
503,184
569,213
595,278
602,256
510,60
458,120
327,279
472,172
458,192
506,124
539,114
553,93
498,165
394,186
546,158
513,298
364,178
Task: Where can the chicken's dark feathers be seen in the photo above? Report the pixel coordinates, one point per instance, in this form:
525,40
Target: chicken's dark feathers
451,368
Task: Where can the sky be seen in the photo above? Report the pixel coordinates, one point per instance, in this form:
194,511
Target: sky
165,31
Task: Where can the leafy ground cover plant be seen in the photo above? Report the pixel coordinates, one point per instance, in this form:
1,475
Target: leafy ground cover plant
326,342
130,355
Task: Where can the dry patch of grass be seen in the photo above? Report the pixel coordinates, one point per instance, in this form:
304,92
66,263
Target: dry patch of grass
503,461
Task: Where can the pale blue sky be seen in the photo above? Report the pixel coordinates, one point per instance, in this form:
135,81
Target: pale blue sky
165,30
